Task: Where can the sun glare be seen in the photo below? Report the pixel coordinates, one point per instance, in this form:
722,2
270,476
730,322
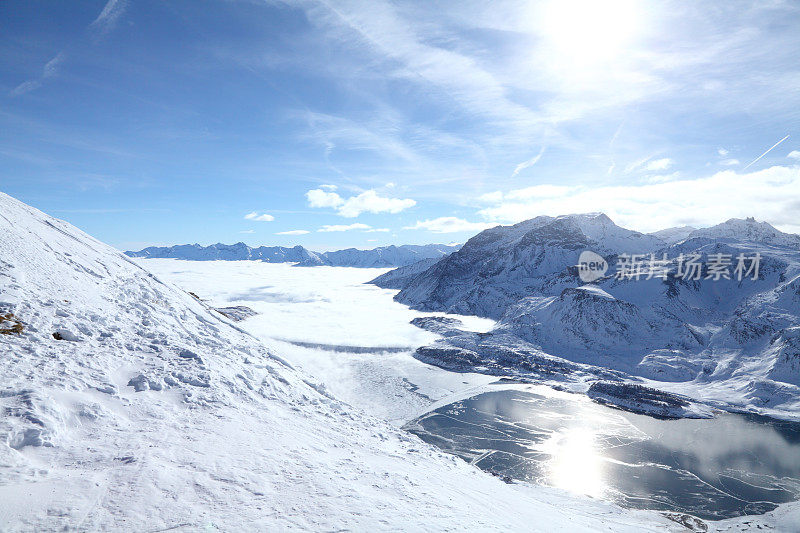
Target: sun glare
590,32
575,463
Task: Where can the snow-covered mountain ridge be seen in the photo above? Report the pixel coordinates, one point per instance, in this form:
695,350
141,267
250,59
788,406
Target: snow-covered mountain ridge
129,405
381,257
681,332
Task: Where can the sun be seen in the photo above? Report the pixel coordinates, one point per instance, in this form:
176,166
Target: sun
589,33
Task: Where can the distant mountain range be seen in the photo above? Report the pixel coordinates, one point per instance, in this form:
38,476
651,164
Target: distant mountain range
382,257
741,332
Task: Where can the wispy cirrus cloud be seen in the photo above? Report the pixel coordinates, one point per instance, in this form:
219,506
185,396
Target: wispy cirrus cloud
648,164
656,165
531,91
49,70
293,232
449,225
378,135
109,16
529,163
105,22
528,193
394,36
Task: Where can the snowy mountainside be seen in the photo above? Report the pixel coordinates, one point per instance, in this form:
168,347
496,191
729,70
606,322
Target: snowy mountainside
401,276
226,252
130,405
502,264
594,327
673,235
385,256
735,332
381,257
748,230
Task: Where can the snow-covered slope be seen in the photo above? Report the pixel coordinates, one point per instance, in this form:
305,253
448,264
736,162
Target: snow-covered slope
673,235
402,276
385,256
500,265
747,230
129,405
227,252
595,327
738,333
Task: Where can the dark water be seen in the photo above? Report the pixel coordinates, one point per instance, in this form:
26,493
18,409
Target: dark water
729,466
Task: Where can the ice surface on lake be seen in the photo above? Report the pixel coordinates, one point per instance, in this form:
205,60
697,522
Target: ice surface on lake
730,466
327,320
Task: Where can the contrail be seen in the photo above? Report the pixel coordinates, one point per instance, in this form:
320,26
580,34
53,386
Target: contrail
765,153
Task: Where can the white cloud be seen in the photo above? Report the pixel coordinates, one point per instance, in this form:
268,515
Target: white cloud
538,191
366,202
378,230
425,45
658,164
293,232
729,162
379,136
386,31
636,165
450,225
343,227
527,193
320,198
722,152
794,154
662,178
529,163
109,16
259,217
49,70
371,202
652,206
248,231
328,187
491,197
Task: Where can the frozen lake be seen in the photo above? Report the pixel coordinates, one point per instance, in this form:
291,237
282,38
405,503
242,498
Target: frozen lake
356,340
326,320
728,466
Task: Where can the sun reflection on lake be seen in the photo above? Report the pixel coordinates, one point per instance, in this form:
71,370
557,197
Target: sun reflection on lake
576,464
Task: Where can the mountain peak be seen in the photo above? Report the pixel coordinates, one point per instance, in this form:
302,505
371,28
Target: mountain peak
747,229
387,256
595,217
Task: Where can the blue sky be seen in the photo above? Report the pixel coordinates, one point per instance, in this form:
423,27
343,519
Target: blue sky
372,123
